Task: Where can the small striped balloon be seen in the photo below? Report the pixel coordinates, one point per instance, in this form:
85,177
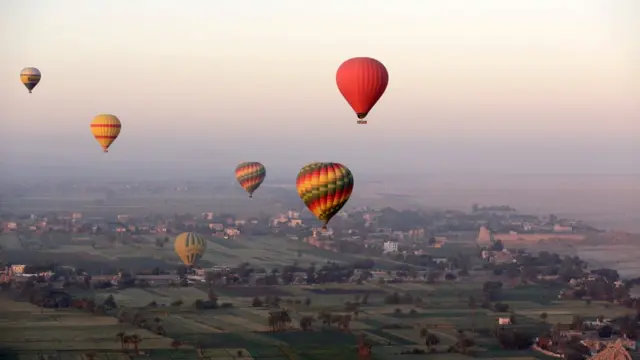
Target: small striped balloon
105,129
250,175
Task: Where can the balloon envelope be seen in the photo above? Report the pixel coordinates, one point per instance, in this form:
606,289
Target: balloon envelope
30,77
105,129
190,247
362,81
324,188
250,175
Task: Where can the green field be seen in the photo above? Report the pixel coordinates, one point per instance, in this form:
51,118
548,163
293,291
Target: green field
222,332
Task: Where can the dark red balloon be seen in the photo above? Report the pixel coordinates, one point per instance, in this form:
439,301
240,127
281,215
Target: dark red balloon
362,81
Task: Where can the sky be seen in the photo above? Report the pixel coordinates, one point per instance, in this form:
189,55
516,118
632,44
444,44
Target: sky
527,86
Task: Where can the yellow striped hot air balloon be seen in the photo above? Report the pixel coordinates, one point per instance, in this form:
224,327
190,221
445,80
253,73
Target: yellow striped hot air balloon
30,77
105,129
190,247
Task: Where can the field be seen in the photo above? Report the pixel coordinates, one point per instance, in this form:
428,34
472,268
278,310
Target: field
29,327
242,331
264,251
224,332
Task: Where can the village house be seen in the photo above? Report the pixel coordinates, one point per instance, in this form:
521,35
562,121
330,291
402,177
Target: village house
562,229
10,226
231,232
319,232
160,228
502,257
280,219
295,222
390,246
207,216
324,244
216,226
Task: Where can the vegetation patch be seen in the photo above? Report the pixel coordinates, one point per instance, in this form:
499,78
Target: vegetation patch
340,291
393,339
439,314
325,353
227,243
314,338
243,291
536,294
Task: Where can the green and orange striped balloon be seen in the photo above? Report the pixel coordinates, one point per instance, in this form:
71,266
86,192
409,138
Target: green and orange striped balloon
324,188
250,175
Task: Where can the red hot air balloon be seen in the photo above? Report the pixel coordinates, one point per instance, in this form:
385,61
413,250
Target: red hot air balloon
362,81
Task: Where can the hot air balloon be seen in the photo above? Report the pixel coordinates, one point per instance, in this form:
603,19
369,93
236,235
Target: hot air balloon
105,129
30,77
250,175
190,246
362,81
324,188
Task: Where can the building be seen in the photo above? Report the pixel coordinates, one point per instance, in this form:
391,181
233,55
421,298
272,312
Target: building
324,244
295,222
207,216
10,226
216,226
390,246
502,257
562,229
486,237
231,232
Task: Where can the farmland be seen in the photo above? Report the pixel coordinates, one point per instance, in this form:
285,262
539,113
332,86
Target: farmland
241,330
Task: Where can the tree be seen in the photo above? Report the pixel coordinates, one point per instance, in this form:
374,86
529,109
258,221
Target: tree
306,322
605,331
543,317
431,340
256,302
497,246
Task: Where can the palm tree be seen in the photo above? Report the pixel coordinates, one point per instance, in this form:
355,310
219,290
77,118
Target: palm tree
136,340
271,320
121,335
126,340
463,343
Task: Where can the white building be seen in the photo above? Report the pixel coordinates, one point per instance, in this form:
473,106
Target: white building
390,246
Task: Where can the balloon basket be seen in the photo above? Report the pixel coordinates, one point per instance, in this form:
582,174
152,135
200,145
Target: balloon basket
362,121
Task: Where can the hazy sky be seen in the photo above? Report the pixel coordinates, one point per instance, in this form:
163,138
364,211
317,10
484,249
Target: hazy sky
495,85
